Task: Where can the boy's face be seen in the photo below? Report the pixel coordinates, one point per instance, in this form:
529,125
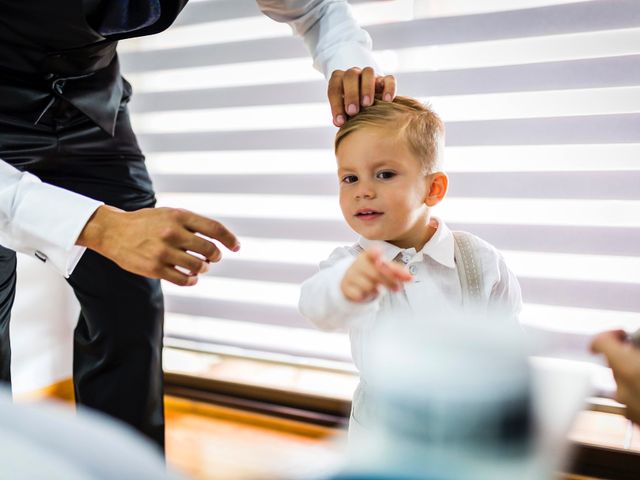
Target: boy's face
383,189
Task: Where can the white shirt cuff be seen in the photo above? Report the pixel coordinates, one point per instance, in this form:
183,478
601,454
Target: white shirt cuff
45,221
347,56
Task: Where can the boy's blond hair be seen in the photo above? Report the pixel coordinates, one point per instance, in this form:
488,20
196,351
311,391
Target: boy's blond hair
418,125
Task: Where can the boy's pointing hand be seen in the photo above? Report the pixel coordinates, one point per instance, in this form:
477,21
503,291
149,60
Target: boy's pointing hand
369,271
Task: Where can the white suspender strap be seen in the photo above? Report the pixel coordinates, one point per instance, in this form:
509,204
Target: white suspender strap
468,266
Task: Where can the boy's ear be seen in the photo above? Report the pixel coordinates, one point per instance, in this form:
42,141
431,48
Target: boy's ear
437,184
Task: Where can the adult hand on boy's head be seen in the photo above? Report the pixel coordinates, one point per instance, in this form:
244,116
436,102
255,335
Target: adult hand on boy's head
152,242
624,360
350,89
368,272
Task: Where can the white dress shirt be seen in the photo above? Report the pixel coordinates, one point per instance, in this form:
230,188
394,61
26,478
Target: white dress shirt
45,221
330,31
42,220
434,291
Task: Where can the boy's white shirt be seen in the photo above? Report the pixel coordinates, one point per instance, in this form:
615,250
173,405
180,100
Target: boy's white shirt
45,221
435,289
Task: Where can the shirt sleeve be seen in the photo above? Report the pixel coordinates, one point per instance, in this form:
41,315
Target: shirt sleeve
506,296
321,298
42,220
331,33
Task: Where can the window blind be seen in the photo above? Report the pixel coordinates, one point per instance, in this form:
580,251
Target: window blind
541,101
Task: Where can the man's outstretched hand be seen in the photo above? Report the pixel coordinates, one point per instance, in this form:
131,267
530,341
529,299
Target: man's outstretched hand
154,241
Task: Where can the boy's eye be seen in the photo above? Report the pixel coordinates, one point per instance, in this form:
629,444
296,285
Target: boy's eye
385,175
349,179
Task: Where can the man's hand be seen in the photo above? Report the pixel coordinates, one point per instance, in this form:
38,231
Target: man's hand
350,89
368,272
624,360
154,241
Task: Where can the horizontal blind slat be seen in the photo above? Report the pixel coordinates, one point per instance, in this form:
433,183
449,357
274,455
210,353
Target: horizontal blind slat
532,68
199,12
569,293
619,185
615,128
234,310
536,238
583,73
541,21
583,294
207,11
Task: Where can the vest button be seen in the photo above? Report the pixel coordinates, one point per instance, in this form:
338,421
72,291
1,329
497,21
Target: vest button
58,86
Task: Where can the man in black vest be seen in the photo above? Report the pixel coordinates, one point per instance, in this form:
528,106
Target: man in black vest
72,177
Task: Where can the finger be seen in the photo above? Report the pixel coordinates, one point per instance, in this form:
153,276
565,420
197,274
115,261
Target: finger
172,275
622,357
386,273
353,293
367,86
608,342
364,283
336,94
351,88
396,271
370,295
621,395
393,274
201,246
363,287
633,413
212,229
373,254
388,88
379,87
378,277
178,258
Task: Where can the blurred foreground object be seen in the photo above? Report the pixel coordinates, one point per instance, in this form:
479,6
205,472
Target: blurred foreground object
458,398
44,440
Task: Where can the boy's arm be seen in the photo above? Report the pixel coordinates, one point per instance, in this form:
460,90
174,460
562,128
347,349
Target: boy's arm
321,298
506,296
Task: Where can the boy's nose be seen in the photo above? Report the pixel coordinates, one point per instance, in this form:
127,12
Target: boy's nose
365,192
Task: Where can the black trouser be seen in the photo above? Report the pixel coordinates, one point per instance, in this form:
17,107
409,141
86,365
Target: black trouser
117,364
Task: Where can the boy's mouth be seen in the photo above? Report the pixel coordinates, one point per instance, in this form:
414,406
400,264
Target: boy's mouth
368,214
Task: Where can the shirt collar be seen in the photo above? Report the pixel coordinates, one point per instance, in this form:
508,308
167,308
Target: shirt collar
440,246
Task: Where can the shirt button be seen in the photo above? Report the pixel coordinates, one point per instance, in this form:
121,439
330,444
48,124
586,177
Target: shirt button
40,256
413,269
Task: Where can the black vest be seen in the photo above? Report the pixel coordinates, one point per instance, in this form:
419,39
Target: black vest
48,49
